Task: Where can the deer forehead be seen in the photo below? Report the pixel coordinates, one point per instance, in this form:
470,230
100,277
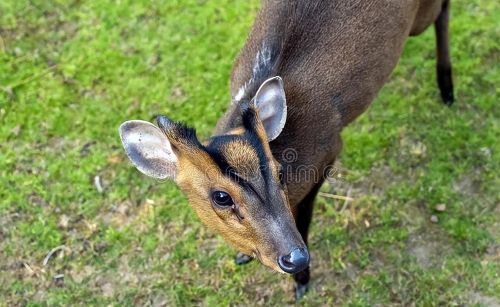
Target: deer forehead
242,157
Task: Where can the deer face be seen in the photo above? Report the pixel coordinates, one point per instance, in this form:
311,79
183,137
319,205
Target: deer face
233,182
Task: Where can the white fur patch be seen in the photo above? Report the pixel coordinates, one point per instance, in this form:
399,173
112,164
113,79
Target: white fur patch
262,59
240,94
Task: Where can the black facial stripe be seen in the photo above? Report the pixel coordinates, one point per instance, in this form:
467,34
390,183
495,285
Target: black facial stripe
221,161
231,171
245,184
254,190
263,160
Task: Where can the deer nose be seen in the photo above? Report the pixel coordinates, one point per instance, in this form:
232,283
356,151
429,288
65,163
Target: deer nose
296,261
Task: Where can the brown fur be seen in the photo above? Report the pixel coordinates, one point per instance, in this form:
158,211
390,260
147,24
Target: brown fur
241,164
332,71
334,56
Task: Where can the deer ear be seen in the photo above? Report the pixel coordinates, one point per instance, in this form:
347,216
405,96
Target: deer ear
149,149
271,103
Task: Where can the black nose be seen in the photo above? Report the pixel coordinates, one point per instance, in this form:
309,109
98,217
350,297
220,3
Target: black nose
294,262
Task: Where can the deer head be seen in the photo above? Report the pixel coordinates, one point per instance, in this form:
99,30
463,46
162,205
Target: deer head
232,181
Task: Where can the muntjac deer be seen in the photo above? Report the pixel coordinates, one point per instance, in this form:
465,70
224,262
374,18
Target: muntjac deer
307,70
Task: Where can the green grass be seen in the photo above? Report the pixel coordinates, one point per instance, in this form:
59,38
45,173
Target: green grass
72,71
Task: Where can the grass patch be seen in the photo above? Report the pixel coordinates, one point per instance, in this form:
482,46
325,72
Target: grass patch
72,71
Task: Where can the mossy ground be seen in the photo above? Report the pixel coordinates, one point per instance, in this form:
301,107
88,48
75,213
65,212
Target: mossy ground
72,71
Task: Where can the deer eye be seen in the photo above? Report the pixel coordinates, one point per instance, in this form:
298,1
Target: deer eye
222,199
